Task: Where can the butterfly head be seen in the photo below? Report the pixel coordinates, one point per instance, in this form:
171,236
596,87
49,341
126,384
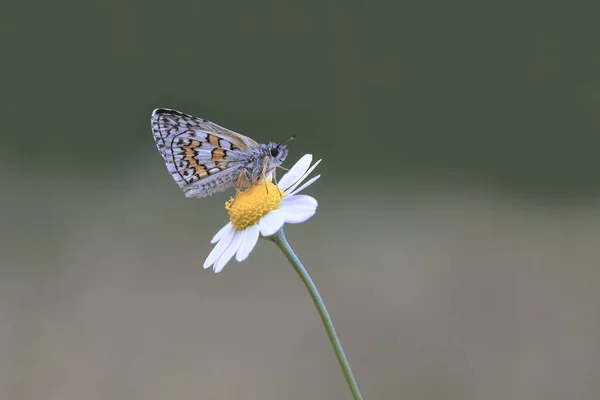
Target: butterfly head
277,152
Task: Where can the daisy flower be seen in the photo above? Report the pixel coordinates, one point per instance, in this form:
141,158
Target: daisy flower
262,210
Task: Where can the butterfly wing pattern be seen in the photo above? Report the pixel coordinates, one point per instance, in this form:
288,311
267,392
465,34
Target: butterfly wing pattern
203,157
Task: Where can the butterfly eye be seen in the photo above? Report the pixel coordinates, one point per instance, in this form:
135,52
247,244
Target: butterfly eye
274,152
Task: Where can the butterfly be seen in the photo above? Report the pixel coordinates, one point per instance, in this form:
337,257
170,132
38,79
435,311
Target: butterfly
205,158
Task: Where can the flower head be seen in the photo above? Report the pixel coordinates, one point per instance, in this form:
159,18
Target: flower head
262,210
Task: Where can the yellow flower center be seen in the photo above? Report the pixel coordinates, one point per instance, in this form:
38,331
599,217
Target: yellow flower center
252,204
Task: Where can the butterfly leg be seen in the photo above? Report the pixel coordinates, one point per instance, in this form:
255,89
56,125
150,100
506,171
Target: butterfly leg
275,179
264,173
238,186
275,171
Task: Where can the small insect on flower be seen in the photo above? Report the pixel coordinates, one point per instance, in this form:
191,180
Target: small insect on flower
205,158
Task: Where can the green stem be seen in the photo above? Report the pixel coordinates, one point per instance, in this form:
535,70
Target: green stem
279,240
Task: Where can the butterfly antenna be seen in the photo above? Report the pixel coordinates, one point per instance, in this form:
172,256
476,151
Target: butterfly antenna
285,141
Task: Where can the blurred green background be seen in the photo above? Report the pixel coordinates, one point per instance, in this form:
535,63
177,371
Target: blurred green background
456,241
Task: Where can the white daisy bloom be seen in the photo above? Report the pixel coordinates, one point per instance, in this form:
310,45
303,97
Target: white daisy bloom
261,210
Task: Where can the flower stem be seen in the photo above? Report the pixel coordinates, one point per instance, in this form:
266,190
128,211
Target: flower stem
280,240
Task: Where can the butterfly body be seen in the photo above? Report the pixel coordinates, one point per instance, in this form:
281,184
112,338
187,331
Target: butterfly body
205,158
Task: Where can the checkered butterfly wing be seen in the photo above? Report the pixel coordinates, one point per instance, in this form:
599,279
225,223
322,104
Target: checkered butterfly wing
203,157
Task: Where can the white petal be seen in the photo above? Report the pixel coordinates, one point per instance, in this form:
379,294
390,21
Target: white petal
298,209
221,232
242,239
298,216
295,172
218,250
270,223
229,251
303,177
307,184
248,243
299,201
